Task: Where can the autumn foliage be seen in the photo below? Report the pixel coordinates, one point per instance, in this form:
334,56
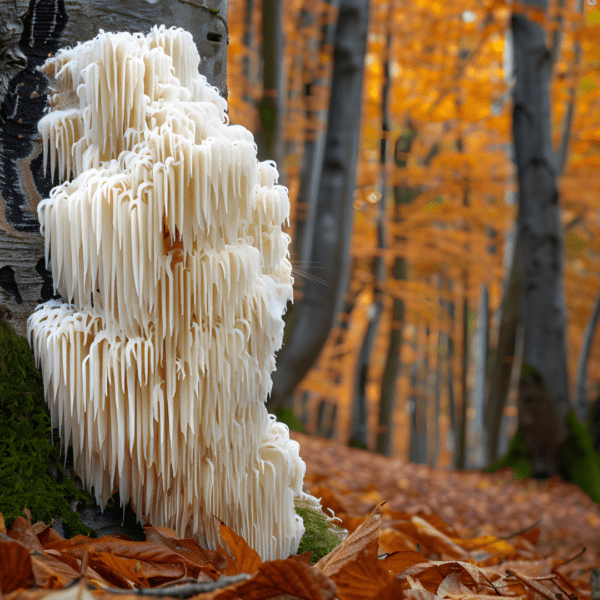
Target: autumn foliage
445,64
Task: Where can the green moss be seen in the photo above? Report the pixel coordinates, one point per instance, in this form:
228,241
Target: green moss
321,536
31,475
214,11
290,418
578,460
356,444
518,457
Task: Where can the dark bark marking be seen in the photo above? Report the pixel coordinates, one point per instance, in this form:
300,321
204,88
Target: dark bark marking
47,291
22,108
9,283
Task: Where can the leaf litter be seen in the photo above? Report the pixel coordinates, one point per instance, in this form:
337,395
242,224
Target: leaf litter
414,532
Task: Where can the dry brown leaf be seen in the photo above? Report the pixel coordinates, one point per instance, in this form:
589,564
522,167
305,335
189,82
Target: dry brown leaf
46,534
397,562
279,579
22,532
16,570
436,540
365,535
452,586
392,540
243,558
196,558
363,578
51,573
149,551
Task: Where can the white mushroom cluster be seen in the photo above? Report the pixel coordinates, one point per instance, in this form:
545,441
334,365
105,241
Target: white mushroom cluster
166,241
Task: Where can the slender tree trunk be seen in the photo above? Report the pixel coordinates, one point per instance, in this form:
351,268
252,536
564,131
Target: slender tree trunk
461,441
402,195
314,315
588,336
478,432
505,355
441,344
543,387
29,31
359,434
270,138
313,158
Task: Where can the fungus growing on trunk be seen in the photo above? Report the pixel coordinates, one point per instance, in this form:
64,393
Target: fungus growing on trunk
167,243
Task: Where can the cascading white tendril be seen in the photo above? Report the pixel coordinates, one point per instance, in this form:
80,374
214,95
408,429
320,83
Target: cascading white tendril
167,243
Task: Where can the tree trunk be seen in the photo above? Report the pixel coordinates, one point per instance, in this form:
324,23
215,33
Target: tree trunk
29,31
402,195
309,325
313,157
478,432
582,403
461,439
359,434
504,356
543,387
270,138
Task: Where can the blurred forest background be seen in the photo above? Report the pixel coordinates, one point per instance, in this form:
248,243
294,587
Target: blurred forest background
408,133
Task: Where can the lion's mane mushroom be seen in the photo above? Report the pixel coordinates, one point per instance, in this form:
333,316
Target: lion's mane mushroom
167,244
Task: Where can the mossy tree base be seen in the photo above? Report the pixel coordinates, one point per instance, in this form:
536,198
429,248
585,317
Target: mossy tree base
31,474
321,535
578,460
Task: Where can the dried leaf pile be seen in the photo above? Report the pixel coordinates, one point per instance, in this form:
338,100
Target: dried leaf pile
415,533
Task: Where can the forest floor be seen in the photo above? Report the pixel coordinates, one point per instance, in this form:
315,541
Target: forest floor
415,533
557,518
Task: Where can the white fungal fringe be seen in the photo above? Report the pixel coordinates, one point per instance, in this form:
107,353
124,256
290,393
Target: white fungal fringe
166,240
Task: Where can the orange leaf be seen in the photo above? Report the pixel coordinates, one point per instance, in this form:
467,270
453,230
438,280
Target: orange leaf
397,562
437,540
365,536
207,561
362,578
16,571
135,571
244,559
22,532
283,579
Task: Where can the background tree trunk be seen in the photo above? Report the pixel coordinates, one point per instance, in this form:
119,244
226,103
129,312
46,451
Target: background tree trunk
312,318
581,402
543,387
314,153
359,430
270,138
504,356
29,32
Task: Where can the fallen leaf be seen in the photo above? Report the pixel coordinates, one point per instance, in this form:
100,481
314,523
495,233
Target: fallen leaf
279,579
16,570
243,558
365,535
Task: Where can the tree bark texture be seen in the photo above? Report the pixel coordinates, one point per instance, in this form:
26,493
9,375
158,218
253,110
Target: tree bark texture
582,404
313,156
270,138
543,387
29,32
505,355
359,430
479,433
313,316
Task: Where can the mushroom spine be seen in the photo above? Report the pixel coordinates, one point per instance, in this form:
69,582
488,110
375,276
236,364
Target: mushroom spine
167,245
